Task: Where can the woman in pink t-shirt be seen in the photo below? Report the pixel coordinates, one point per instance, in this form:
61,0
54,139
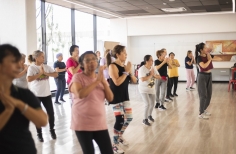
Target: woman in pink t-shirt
72,64
88,111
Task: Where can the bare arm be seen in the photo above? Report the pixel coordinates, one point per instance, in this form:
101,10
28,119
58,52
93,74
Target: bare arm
54,74
204,65
108,93
113,72
22,73
146,78
82,92
133,78
159,66
74,70
60,70
34,77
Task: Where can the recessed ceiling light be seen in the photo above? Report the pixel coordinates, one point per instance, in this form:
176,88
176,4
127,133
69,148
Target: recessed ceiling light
227,2
164,3
171,0
179,9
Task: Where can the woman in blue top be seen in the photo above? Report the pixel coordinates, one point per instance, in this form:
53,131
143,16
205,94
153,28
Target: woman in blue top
60,67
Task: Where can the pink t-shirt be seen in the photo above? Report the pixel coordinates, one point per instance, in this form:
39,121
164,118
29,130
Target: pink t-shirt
88,114
70,63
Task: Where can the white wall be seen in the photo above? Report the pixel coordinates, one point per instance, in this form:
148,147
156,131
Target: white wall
16,25
175,33
179,44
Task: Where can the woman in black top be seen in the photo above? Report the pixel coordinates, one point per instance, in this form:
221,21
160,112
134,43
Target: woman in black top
161,65
17,107
60,67
120,76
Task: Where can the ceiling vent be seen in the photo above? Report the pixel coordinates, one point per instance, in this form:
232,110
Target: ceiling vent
179,9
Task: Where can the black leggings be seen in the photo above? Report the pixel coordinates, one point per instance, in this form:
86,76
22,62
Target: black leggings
47,103
102,138
172,81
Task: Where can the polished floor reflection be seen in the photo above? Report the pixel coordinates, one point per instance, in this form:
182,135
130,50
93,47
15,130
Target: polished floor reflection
175,131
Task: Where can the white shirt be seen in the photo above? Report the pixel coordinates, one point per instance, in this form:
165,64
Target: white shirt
21,82
40,87
143,85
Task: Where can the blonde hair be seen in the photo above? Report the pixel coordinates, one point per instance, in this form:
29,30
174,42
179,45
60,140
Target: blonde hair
159,53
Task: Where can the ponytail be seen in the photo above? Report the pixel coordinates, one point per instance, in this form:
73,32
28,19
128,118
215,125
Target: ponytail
141,64
198,49
108,59
196,52
31,59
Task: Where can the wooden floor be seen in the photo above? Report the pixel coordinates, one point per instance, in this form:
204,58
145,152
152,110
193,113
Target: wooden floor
175,131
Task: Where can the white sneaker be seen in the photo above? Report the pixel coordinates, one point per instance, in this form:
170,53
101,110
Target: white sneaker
123,141
202,116
116,148
187,89
207,113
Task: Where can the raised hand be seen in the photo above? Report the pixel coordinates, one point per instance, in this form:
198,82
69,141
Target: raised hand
209,56
41,69
8,101
128,67
152,72
100,76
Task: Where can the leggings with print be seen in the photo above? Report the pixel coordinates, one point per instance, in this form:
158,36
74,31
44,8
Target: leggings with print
123,114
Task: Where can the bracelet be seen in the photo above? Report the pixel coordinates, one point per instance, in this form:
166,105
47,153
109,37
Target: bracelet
126,73
25,109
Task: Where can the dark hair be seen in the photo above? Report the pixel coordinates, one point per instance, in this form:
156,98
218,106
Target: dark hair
171,53
108,56
31,58
116,50
72,48
81,58
198,49
145,59
189,51
159,52
7,49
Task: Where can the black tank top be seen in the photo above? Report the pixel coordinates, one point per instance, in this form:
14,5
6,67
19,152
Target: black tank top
120,92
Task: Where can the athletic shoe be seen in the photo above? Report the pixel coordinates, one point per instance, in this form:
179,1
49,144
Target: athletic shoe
62,100
176,94
191,88
123,141
40,137
53,134
172,95
157,105
145,122
117,149
58,103
187,89
150,119
168,98
207,113
202,116
162,108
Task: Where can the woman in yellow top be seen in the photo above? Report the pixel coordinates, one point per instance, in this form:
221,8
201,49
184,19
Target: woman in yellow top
173,75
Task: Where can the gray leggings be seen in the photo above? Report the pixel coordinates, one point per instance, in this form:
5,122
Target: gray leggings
161,86
204,84
149,100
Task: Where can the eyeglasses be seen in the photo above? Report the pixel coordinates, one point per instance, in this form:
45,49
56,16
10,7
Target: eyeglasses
89,60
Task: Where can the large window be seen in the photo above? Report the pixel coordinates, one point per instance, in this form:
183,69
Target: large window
84,31
58,34
103,33
38,25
